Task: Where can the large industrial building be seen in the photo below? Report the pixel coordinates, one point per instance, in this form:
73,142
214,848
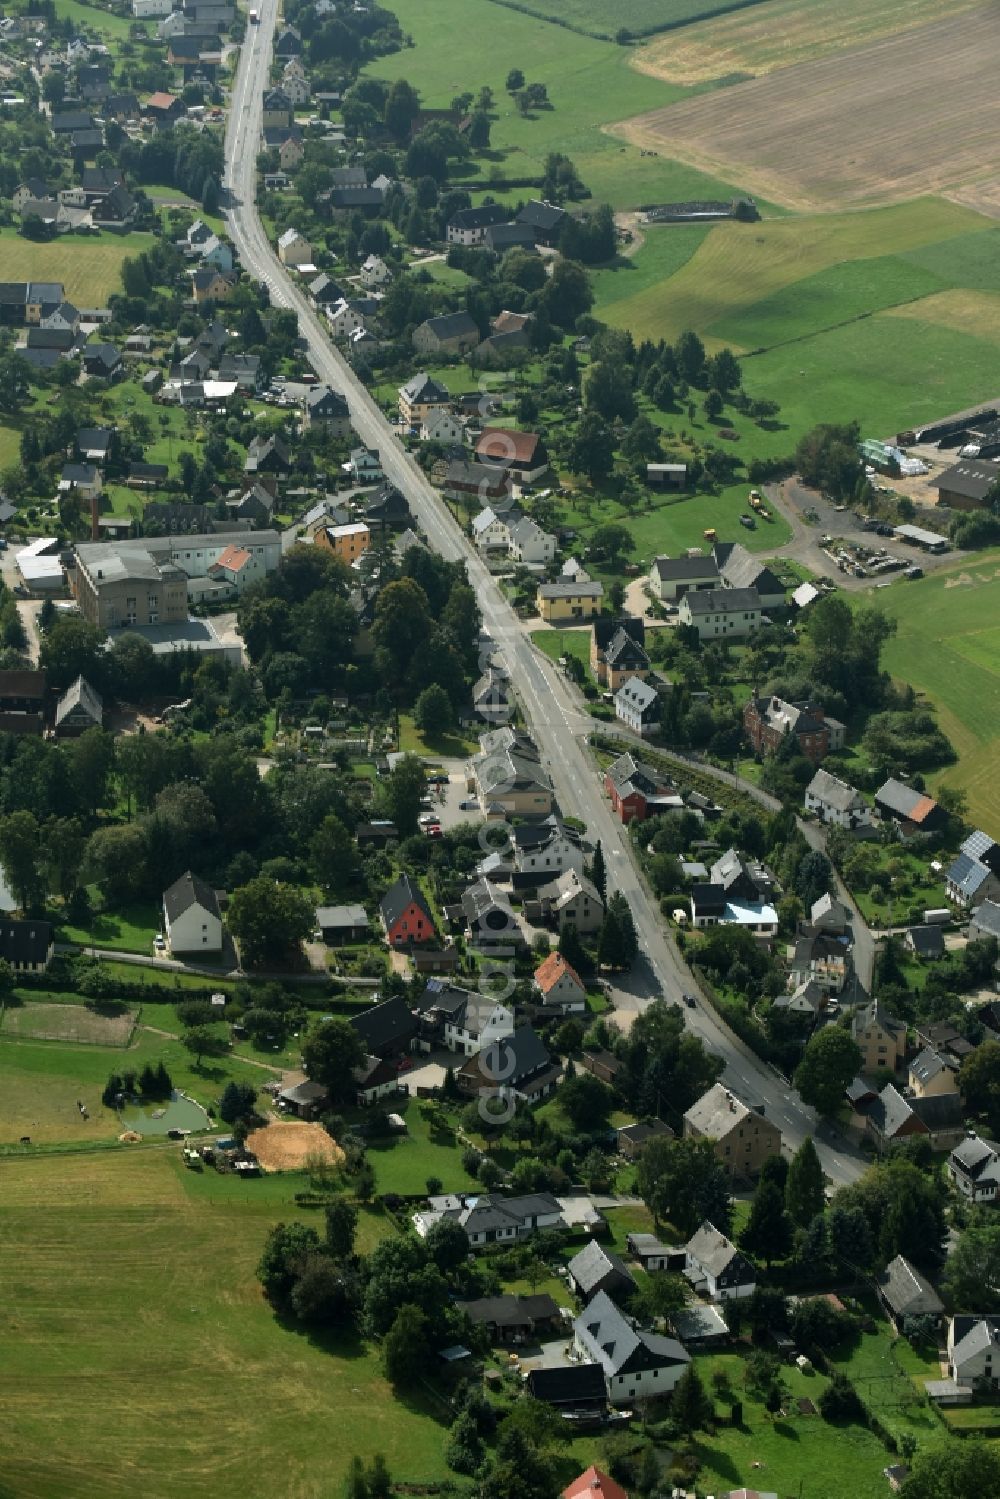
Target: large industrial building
147,581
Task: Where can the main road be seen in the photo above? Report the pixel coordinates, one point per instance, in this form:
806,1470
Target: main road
556,723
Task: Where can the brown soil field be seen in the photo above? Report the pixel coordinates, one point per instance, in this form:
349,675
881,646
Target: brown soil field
896,118
44,1022
780,34
287,1146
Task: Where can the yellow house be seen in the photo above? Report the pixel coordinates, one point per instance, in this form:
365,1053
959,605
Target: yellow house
930,1076
346,542
560,603
881,1037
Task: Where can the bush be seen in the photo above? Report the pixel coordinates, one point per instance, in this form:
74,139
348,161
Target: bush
840,1402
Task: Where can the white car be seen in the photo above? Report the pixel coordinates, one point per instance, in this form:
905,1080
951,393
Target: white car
159,943
427,819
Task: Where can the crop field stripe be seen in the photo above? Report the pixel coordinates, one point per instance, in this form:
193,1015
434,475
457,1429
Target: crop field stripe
640,17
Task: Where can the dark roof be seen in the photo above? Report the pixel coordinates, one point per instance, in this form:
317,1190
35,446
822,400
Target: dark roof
574,1385
451,325
478,218
681,569
138,470
904,801
939,1111
927,941
186,892
971,477
541,215
606,628
503,237
80,696
398,897
525,1054
72,120
507,1310
21,684
595,1266
385,1025
25,941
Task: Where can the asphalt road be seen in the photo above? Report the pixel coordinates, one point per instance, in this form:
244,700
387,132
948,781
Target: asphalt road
557,724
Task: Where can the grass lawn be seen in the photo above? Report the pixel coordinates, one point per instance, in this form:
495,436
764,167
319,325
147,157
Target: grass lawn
794,1454
403,1163
451,745
556,643
89,267
640,16
946,645
138,1280
128,929
889,1375
92,18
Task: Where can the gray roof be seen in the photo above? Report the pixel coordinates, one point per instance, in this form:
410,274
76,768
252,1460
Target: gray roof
972,1154
716,1112
620,1348
341,916
927,1065
723,601
834,792
637,694
973,1336
698,1323
588,590
927,941
714,1252
899,797
890,1112
968,875
80,694
594,1265
685,569
400,895
425,391
451,325
987,917
190,890
305,1092
908,1292
741,569
978,844
971,477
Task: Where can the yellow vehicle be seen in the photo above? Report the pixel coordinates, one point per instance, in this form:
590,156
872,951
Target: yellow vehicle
710,535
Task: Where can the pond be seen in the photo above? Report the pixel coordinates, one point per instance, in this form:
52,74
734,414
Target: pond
158,1118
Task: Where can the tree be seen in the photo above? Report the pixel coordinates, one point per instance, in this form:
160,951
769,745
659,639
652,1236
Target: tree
72,648
333,855
478,133
330,1054
400,792
269,920
433,713
464,1450
641,444
515,81
659,1295
850,1237
400,630
406,1347
585,1101
713,405
567,294
972,1270
978,1080
610,542
447,1244
202,1041
958,1470
401,108
690,1407
285,1249
320,1296
804,1185
238,1101
19,854
682,1182
15,383
817,1324
592,449
618,944
840,1402
768,1231
831,1061
341,1227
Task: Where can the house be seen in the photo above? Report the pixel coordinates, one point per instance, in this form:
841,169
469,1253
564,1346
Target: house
572,1388
912,810
245,369
211,285
287,42
632,1140
666,475
340,924
521,454
925,941
387,509
974,1169
597,1269
406,915
601,1064
192,921
881,1037
571,900
290,152
22,692
835,802
267,455
83,479
468,226
638,790
593,1484
545,221
985,921
449,333
387,1029
80,708
93,444
529,544
739,568
565,602
670,578
294,249
942,1115
715,1265
346,542
374,273
818,958
365,465
769,720
490,696
516,1067
276,108
419,397
974,874
296,86
905,1294
489,917
542,849
625,639
930,1075
512,1319
479,479
499,238
491,1219
829,915
101,361
968,484
721,613
27,946
305,1099
636,1364
491,531
508,778
891,1118
325,292
974,1351
743,1138
442,427
460,1019
345,318
560,986
637,706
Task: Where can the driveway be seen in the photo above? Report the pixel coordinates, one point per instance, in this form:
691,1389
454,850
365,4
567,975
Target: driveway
429,1073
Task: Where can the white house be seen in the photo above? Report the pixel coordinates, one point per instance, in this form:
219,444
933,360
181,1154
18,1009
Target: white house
547,848
721,613
560,985
636,1364
529,543
477,1024
441,425
837,803
294,249
344,319
192,922
974,1169
974,1351
637,706
490,531
714,1262
144,10
365,466
375,273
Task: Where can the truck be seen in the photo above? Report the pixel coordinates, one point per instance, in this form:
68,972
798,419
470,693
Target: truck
255,18
755,499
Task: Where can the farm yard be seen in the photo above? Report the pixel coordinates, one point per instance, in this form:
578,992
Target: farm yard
871,124
56,1022
288,1144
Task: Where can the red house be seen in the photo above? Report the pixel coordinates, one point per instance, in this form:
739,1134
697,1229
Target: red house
637,791
406,916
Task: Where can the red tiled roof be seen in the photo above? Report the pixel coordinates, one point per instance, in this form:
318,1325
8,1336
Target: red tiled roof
596,1485
505,445
234,558
923,809
548,974
160,100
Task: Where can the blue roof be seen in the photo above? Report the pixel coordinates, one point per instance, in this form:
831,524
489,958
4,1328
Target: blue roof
967,875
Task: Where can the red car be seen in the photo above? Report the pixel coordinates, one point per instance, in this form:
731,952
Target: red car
433,830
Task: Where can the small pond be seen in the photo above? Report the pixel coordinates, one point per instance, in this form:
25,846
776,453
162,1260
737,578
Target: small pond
157,1118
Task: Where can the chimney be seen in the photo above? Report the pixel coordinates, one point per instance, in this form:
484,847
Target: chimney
95,507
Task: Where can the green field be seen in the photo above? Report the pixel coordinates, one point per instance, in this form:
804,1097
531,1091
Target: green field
946,645
140,1355
89,268
556,643
641,17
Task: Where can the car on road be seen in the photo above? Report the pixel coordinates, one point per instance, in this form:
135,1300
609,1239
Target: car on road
689,1000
